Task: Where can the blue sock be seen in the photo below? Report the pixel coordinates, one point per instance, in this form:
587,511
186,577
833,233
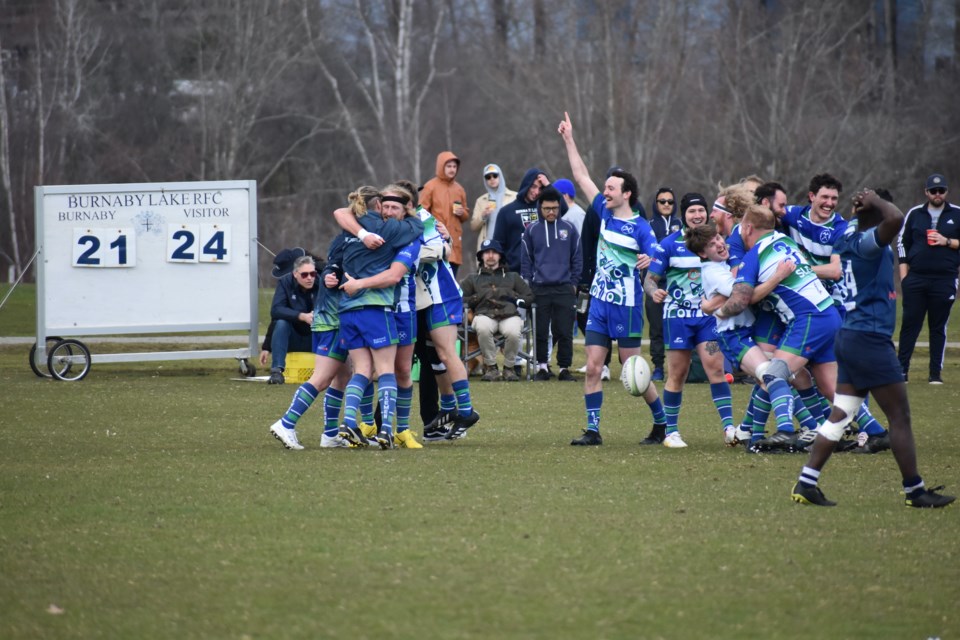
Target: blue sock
747,423
303,397
387,395
723,401
803,415
448,402
867,422
671,409
593,401
352,399
761,411
781,399
913,487
656,408
404,402
811,400
462,389
366,404
332,403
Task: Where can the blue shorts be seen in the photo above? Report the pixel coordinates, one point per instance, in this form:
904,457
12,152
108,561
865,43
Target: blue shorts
866,360
444,313
615,320
327,344
406,327
687,333
811,336
735,343
371,327
768,328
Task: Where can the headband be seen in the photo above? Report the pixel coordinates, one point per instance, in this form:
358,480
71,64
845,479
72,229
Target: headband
401,199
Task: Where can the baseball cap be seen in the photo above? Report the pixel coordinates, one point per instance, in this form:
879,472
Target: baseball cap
936,180
565,187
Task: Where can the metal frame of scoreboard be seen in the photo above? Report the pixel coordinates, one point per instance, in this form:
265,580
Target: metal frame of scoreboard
148,258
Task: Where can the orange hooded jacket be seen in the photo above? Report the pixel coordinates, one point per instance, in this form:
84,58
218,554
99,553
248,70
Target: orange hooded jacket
438,196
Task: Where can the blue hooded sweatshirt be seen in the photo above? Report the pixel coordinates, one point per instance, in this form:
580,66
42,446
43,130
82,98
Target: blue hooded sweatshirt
516,216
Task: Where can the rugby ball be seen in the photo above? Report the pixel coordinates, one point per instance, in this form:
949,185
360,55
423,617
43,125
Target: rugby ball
635,375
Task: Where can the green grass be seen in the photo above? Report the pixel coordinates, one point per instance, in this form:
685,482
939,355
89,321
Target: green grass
148,501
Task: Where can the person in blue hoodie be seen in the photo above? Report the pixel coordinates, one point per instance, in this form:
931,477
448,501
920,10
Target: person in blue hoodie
551,261
664,220
519,214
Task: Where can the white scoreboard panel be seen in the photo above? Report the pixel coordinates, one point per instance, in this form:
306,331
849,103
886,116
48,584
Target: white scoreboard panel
146,258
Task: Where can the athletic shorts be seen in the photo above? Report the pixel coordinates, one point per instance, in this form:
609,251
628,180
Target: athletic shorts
594,339
767,328
811,336
687,333
406,327
371,327
327,344
866,360
735,343
615,321
444,313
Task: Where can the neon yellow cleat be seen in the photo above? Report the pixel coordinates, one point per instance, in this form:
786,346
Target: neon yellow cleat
406,440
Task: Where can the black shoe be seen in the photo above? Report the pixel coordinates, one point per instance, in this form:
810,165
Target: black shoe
875,444
460,425
385,439
276,376
565,376
805,494
780,442
543,375
354,436
518,369
935,379
588,439
847,445
656,435
929,499
440,421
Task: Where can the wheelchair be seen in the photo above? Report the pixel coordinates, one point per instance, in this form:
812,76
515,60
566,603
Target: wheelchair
470,347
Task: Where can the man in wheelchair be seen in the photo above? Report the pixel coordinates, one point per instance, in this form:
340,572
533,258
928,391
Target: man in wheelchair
493,295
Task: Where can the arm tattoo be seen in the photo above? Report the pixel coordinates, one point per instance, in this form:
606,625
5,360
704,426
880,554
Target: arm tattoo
739,300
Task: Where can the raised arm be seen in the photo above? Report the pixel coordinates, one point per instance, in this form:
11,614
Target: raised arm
577,166
348,222
891,218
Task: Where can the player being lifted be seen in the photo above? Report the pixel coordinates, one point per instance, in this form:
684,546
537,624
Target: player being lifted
616,308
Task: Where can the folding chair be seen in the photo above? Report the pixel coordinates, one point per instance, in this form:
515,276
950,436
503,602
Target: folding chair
528,340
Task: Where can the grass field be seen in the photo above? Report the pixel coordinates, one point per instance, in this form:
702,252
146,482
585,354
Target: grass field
148,501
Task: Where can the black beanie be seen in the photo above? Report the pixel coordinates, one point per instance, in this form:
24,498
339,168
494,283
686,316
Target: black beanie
687,201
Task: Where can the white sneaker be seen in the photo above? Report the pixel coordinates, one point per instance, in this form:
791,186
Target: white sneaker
582,369
741,435
674,441
605,374
334,442
286,436
730,436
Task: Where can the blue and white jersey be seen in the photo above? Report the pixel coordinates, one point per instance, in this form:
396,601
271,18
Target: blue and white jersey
409,257
437,276
817,240
799,293
716,278
617,279
871,300
735,248
679,271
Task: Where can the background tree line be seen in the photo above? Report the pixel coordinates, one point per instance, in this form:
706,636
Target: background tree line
311,98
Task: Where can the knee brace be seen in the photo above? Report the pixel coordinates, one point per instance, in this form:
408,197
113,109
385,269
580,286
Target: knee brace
776,369
849,405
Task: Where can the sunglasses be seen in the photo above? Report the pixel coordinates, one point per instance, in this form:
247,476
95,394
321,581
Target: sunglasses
937,191
491,175
307,274
664,201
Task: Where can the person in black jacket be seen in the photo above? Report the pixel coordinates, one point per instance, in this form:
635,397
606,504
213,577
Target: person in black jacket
929,253
664,220
519,214
292,315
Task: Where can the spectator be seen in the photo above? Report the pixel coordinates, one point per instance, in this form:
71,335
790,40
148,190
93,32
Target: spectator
493,294
517,215
551,261
575,214
292,315
929,252
664,221
485,211
446,199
